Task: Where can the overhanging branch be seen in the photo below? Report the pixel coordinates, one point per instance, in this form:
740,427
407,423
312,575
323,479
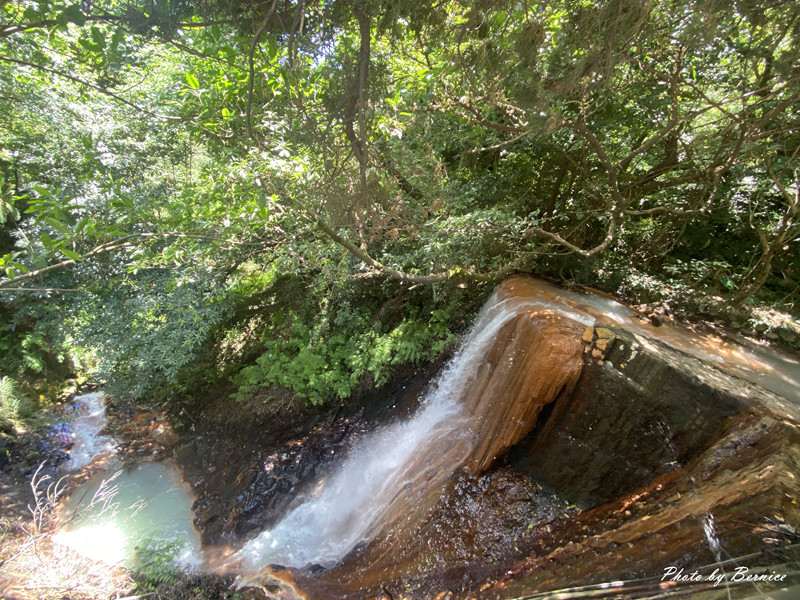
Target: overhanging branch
252,68
110,246
379,269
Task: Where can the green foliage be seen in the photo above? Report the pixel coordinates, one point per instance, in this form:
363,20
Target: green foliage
147,330
14,405
155,564
330,358
157,190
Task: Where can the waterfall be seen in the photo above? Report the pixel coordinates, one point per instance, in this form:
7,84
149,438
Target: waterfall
393,471
88,442
365,520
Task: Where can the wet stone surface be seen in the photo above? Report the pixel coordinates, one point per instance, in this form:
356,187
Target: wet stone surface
249,469
651,442
483,518
242,490
281,477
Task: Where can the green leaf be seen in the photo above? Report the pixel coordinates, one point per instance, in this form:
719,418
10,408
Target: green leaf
72,14
98,37
192,81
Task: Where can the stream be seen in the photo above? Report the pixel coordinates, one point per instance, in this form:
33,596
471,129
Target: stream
120,514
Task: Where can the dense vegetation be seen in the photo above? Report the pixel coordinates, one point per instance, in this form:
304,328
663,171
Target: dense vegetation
299,196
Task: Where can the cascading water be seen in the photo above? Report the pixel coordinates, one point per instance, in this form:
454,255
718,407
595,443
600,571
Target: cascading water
88,442
391,472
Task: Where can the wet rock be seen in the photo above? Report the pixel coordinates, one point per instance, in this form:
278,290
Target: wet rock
615,476
623,427
604,333
261,468
535,358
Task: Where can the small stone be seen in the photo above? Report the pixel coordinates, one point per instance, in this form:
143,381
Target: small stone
588,335
597,353
601,344
605,333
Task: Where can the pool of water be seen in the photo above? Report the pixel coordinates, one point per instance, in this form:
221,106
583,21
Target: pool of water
128,516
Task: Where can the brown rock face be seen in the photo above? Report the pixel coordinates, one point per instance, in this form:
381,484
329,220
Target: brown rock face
520,357
535,358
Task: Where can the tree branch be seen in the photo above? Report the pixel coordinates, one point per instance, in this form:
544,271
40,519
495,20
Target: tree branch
617,203
21,28
602,246
40,290
10,30
111,245
381,269
355,106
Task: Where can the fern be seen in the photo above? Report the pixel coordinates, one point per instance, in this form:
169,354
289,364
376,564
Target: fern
319,364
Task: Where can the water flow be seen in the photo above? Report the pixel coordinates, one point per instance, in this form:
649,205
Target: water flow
390,471
712,537
773,370
118,516
88,442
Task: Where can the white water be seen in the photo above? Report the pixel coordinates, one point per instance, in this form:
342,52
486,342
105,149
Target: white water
88,443
712,537
387,468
